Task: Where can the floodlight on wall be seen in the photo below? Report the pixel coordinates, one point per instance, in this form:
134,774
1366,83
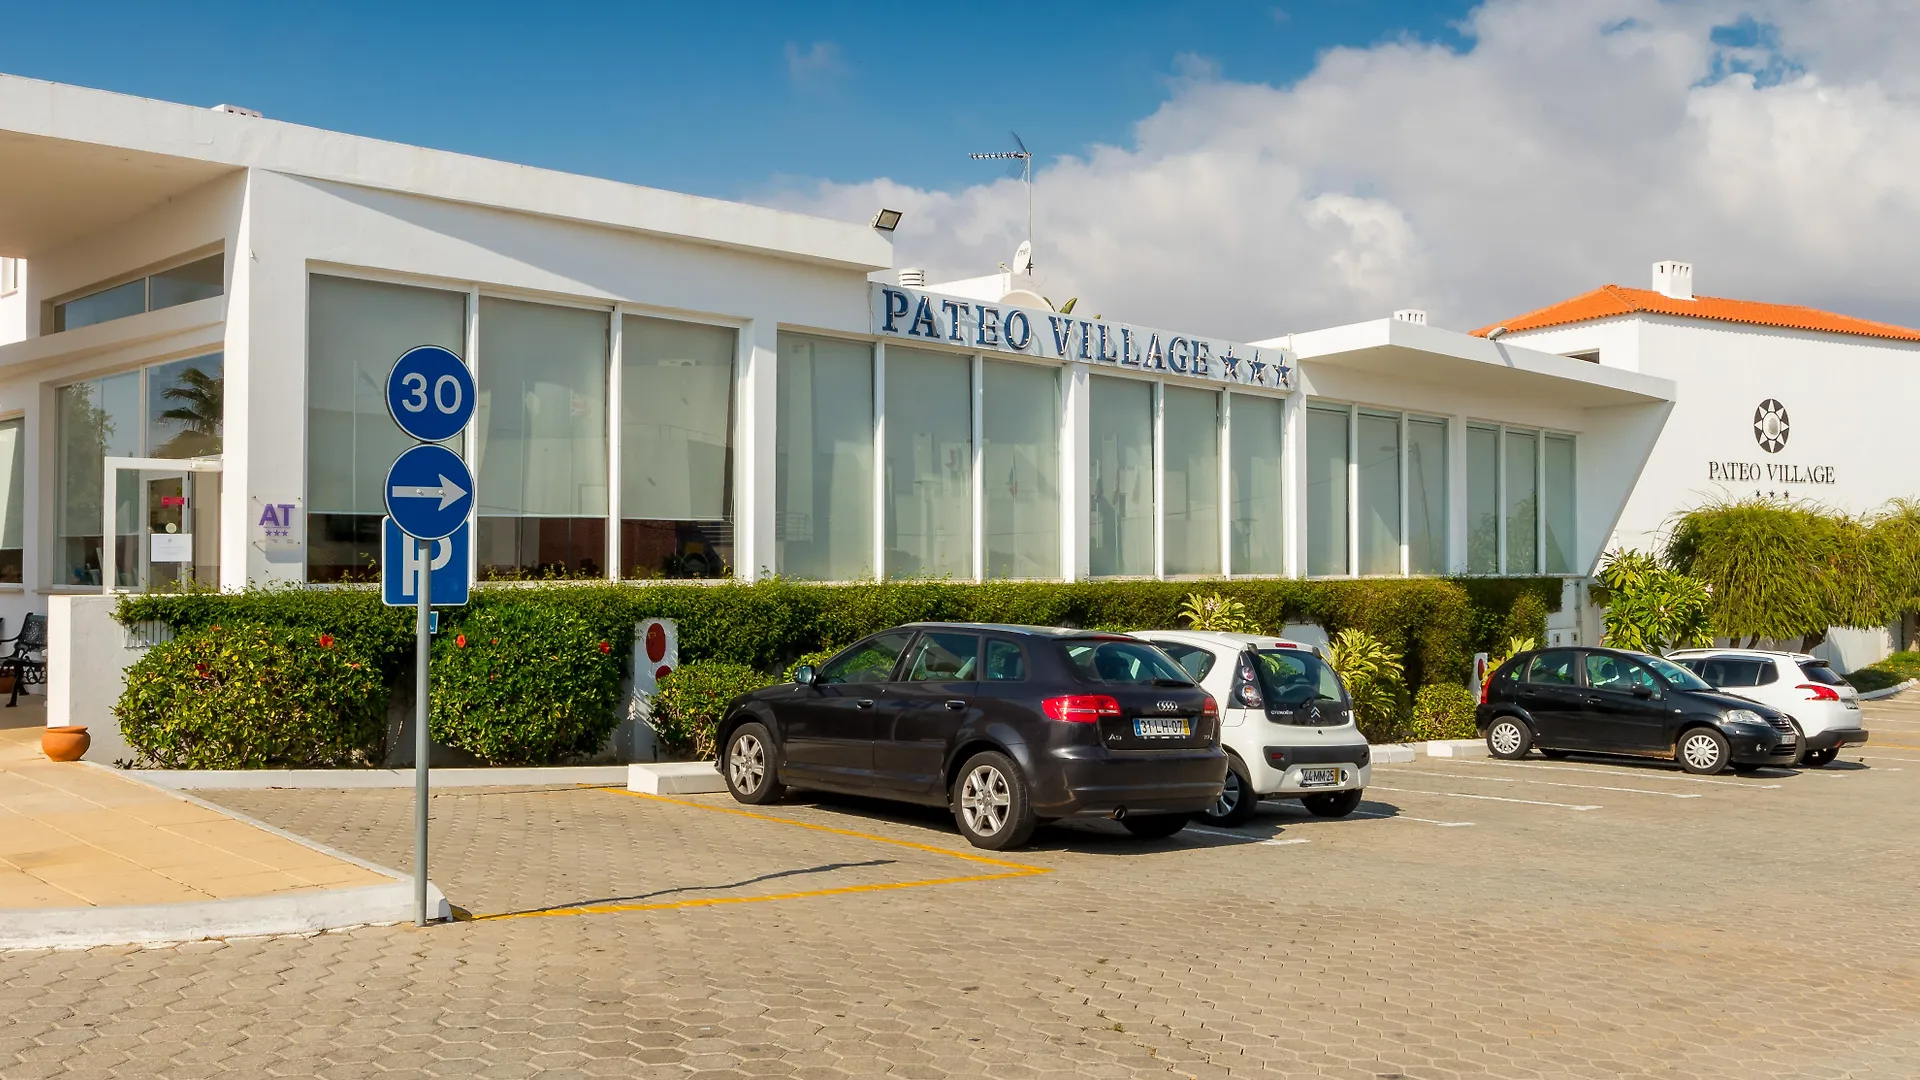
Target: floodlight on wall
1494,334
887,220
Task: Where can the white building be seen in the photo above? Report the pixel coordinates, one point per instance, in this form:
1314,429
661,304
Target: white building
208,302
1774,401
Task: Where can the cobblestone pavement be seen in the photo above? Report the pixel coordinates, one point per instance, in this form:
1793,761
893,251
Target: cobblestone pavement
1563,919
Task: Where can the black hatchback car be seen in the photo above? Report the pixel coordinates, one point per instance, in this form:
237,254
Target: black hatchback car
1609,701
1009,726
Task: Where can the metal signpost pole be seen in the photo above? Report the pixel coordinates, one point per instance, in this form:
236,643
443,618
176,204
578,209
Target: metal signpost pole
421,712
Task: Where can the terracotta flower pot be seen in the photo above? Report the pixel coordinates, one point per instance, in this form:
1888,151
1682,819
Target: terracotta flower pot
65,743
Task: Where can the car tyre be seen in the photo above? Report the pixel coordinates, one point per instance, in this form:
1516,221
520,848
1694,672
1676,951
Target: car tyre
747,765
1333,804
1154,826
1819,759
1509,738
1702,750
990,802
1238,802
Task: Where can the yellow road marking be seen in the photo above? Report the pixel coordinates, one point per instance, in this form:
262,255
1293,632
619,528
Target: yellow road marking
1010,870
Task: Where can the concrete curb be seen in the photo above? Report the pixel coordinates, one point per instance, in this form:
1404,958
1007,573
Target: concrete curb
1456,748
1394,754
351,779
676,778
1888,691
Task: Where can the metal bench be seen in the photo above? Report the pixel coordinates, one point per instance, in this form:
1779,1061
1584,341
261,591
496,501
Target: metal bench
21,663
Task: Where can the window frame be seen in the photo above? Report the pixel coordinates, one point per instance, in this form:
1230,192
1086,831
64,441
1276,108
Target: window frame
51,307
1540,436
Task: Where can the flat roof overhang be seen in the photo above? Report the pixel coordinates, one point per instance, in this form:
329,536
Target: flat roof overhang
74,161
1392,348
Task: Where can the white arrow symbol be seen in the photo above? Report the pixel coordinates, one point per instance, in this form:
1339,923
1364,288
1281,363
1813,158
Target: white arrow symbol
448,492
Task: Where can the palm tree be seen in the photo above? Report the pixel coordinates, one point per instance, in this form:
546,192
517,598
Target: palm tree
202,400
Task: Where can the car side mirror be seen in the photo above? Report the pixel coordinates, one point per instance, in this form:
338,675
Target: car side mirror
804,675
1643,692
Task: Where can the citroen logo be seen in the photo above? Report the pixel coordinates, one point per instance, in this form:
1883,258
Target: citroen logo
1314,712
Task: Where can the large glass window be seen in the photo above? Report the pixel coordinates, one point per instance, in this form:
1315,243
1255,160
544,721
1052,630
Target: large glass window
1426,496
196,280
355,331
1020,425
1259,531
1483,500
1379,476
542,449
676,448
823,451
1523,509
1190,430
1120,477
1327,502
929,463
1558,502
13,490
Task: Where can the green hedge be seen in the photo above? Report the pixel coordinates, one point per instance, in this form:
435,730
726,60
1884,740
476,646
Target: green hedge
1892,671
528,704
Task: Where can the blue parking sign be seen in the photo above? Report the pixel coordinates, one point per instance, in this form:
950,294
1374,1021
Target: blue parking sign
400,567
430,393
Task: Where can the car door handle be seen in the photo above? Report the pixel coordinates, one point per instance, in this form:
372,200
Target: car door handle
864,703
956,705
1596,700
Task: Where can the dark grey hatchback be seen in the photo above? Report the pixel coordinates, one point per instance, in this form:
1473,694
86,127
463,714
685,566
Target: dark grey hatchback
1008,726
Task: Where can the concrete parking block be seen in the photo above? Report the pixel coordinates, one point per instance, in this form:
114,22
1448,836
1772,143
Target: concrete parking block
1456,748
676,778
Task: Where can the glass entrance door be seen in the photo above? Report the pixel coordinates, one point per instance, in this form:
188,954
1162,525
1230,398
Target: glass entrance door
170,535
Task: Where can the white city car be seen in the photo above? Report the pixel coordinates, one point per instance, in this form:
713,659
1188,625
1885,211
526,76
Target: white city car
1285,720
1824,706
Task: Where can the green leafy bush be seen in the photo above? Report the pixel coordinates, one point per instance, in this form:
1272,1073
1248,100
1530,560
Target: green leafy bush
1892,671
249,696
1375,682
1651,608
1213,611
526,684
691,700
813,660
1526,620
1442,711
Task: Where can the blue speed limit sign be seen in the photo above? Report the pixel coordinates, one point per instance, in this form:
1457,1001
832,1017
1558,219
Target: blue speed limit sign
430,393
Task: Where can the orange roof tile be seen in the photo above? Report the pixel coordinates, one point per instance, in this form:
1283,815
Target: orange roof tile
1610,300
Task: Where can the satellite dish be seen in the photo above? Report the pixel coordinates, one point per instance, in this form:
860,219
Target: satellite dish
1023,258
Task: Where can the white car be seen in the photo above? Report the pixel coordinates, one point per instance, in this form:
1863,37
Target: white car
1285,720
1824,706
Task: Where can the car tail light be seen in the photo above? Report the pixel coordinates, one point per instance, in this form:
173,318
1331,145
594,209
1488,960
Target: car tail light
1246,692
1820,693
1080,708
1209,711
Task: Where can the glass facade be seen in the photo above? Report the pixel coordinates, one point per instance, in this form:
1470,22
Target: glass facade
1120,477
1426,496
1020,454
929,464
197,280
823,459
676,448
1558,503
1523,505
1257,518
13,492
1190,432
1483,500
1328,454
1378,443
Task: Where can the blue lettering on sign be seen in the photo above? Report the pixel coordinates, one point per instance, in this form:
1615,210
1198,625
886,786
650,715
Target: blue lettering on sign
923,316
1018,317
889,296
1202,352
954,313
1105,356
987,329
1086,335
1177,350
1062,334
1155,358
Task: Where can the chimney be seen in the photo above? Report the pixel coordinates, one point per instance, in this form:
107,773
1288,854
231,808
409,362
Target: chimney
913,277
237,110
1673,279
1413,315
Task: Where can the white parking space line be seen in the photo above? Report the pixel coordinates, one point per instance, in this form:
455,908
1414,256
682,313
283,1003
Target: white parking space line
1645,774
1485,798
1276,841
1549,783
1405,817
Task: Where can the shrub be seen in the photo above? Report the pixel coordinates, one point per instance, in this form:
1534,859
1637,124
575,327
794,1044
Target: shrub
1442,711
1651,608
525,684
1892,671
813,660
1526,620
1216,612
250,696
1374,680
691,700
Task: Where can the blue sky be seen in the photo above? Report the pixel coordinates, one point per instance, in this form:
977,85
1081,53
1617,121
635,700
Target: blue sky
726,100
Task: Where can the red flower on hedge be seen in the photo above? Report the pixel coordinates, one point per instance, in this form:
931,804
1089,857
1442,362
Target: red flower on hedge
326,641
605,648
460,641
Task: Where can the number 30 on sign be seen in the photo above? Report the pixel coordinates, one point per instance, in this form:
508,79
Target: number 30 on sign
430,393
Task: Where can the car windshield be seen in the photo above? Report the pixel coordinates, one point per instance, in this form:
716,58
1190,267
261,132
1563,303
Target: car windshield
1121,661
1295,677
1678,677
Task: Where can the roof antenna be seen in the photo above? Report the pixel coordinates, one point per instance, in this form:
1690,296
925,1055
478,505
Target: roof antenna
1020,166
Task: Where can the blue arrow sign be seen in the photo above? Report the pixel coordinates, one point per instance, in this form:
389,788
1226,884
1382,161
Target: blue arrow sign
429,491
430,393
400,566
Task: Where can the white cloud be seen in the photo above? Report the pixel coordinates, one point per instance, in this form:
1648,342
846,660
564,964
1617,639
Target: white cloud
816,67
1573,144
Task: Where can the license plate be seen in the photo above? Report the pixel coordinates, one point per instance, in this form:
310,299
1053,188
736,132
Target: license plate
1321,777
1162,727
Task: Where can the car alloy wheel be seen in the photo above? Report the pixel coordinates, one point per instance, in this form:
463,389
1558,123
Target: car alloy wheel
1508,738
985,800
1230,795
747,764
1703,750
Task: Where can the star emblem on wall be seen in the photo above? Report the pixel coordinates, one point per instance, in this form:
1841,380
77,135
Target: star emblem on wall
1770,426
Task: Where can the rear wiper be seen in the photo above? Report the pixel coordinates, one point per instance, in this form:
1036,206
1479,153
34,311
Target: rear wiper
1173,682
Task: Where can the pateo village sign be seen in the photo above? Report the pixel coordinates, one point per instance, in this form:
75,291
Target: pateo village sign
915,315
1770,431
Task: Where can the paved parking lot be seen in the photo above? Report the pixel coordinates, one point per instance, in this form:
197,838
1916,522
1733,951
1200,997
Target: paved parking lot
1541,919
